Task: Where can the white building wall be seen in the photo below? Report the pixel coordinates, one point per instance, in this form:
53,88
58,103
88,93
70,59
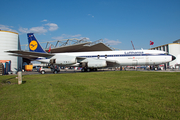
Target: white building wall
9,41
174,49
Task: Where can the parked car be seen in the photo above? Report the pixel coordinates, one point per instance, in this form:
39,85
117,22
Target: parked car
45,69
36,68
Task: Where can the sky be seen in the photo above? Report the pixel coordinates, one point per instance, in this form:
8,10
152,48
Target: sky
117,22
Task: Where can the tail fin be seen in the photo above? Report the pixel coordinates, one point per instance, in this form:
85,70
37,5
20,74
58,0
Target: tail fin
34,45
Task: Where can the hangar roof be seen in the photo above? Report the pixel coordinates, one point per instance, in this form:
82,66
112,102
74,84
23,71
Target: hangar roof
75,45
78,46
82,47
177,41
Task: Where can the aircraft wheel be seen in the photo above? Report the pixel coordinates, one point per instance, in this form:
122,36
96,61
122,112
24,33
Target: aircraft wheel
88,70
55,72
82,70
43,72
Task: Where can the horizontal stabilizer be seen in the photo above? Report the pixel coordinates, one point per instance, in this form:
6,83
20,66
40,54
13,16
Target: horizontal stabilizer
26,53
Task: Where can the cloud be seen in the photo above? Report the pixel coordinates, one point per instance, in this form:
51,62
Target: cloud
40,29
91,15
78,35
7,28
52,26
23,30
111,42
44,20
66,36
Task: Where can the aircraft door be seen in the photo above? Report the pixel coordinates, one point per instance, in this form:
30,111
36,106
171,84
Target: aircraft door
134,62
147,60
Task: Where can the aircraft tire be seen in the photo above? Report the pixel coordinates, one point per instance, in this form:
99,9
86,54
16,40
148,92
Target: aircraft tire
82,70
88,70
43,72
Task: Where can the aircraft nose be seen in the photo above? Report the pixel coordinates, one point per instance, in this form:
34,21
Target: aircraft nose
173,57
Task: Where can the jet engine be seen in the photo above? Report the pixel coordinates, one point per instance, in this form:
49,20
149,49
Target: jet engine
96,63
64,60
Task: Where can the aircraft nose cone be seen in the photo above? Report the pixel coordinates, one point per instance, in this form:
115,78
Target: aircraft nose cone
173,58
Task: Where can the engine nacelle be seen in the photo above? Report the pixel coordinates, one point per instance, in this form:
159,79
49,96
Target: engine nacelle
64,60
96,63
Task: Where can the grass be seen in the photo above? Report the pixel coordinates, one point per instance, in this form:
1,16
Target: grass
92,95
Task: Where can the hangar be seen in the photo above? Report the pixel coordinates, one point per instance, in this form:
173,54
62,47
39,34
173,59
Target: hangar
173,49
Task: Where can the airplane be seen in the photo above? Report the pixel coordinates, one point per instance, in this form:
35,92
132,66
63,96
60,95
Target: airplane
93,60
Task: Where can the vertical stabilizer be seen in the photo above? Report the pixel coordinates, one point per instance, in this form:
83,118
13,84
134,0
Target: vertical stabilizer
34,45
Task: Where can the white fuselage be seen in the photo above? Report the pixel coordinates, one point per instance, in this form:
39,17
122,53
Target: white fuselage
117,58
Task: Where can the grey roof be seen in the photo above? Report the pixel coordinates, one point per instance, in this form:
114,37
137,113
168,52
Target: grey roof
177,41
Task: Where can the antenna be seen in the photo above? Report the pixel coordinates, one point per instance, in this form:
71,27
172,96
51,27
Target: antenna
132,45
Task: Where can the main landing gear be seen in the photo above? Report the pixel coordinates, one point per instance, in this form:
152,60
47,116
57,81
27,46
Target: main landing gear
84,69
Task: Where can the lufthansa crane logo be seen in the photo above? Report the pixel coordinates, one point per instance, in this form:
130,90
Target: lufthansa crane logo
33,45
